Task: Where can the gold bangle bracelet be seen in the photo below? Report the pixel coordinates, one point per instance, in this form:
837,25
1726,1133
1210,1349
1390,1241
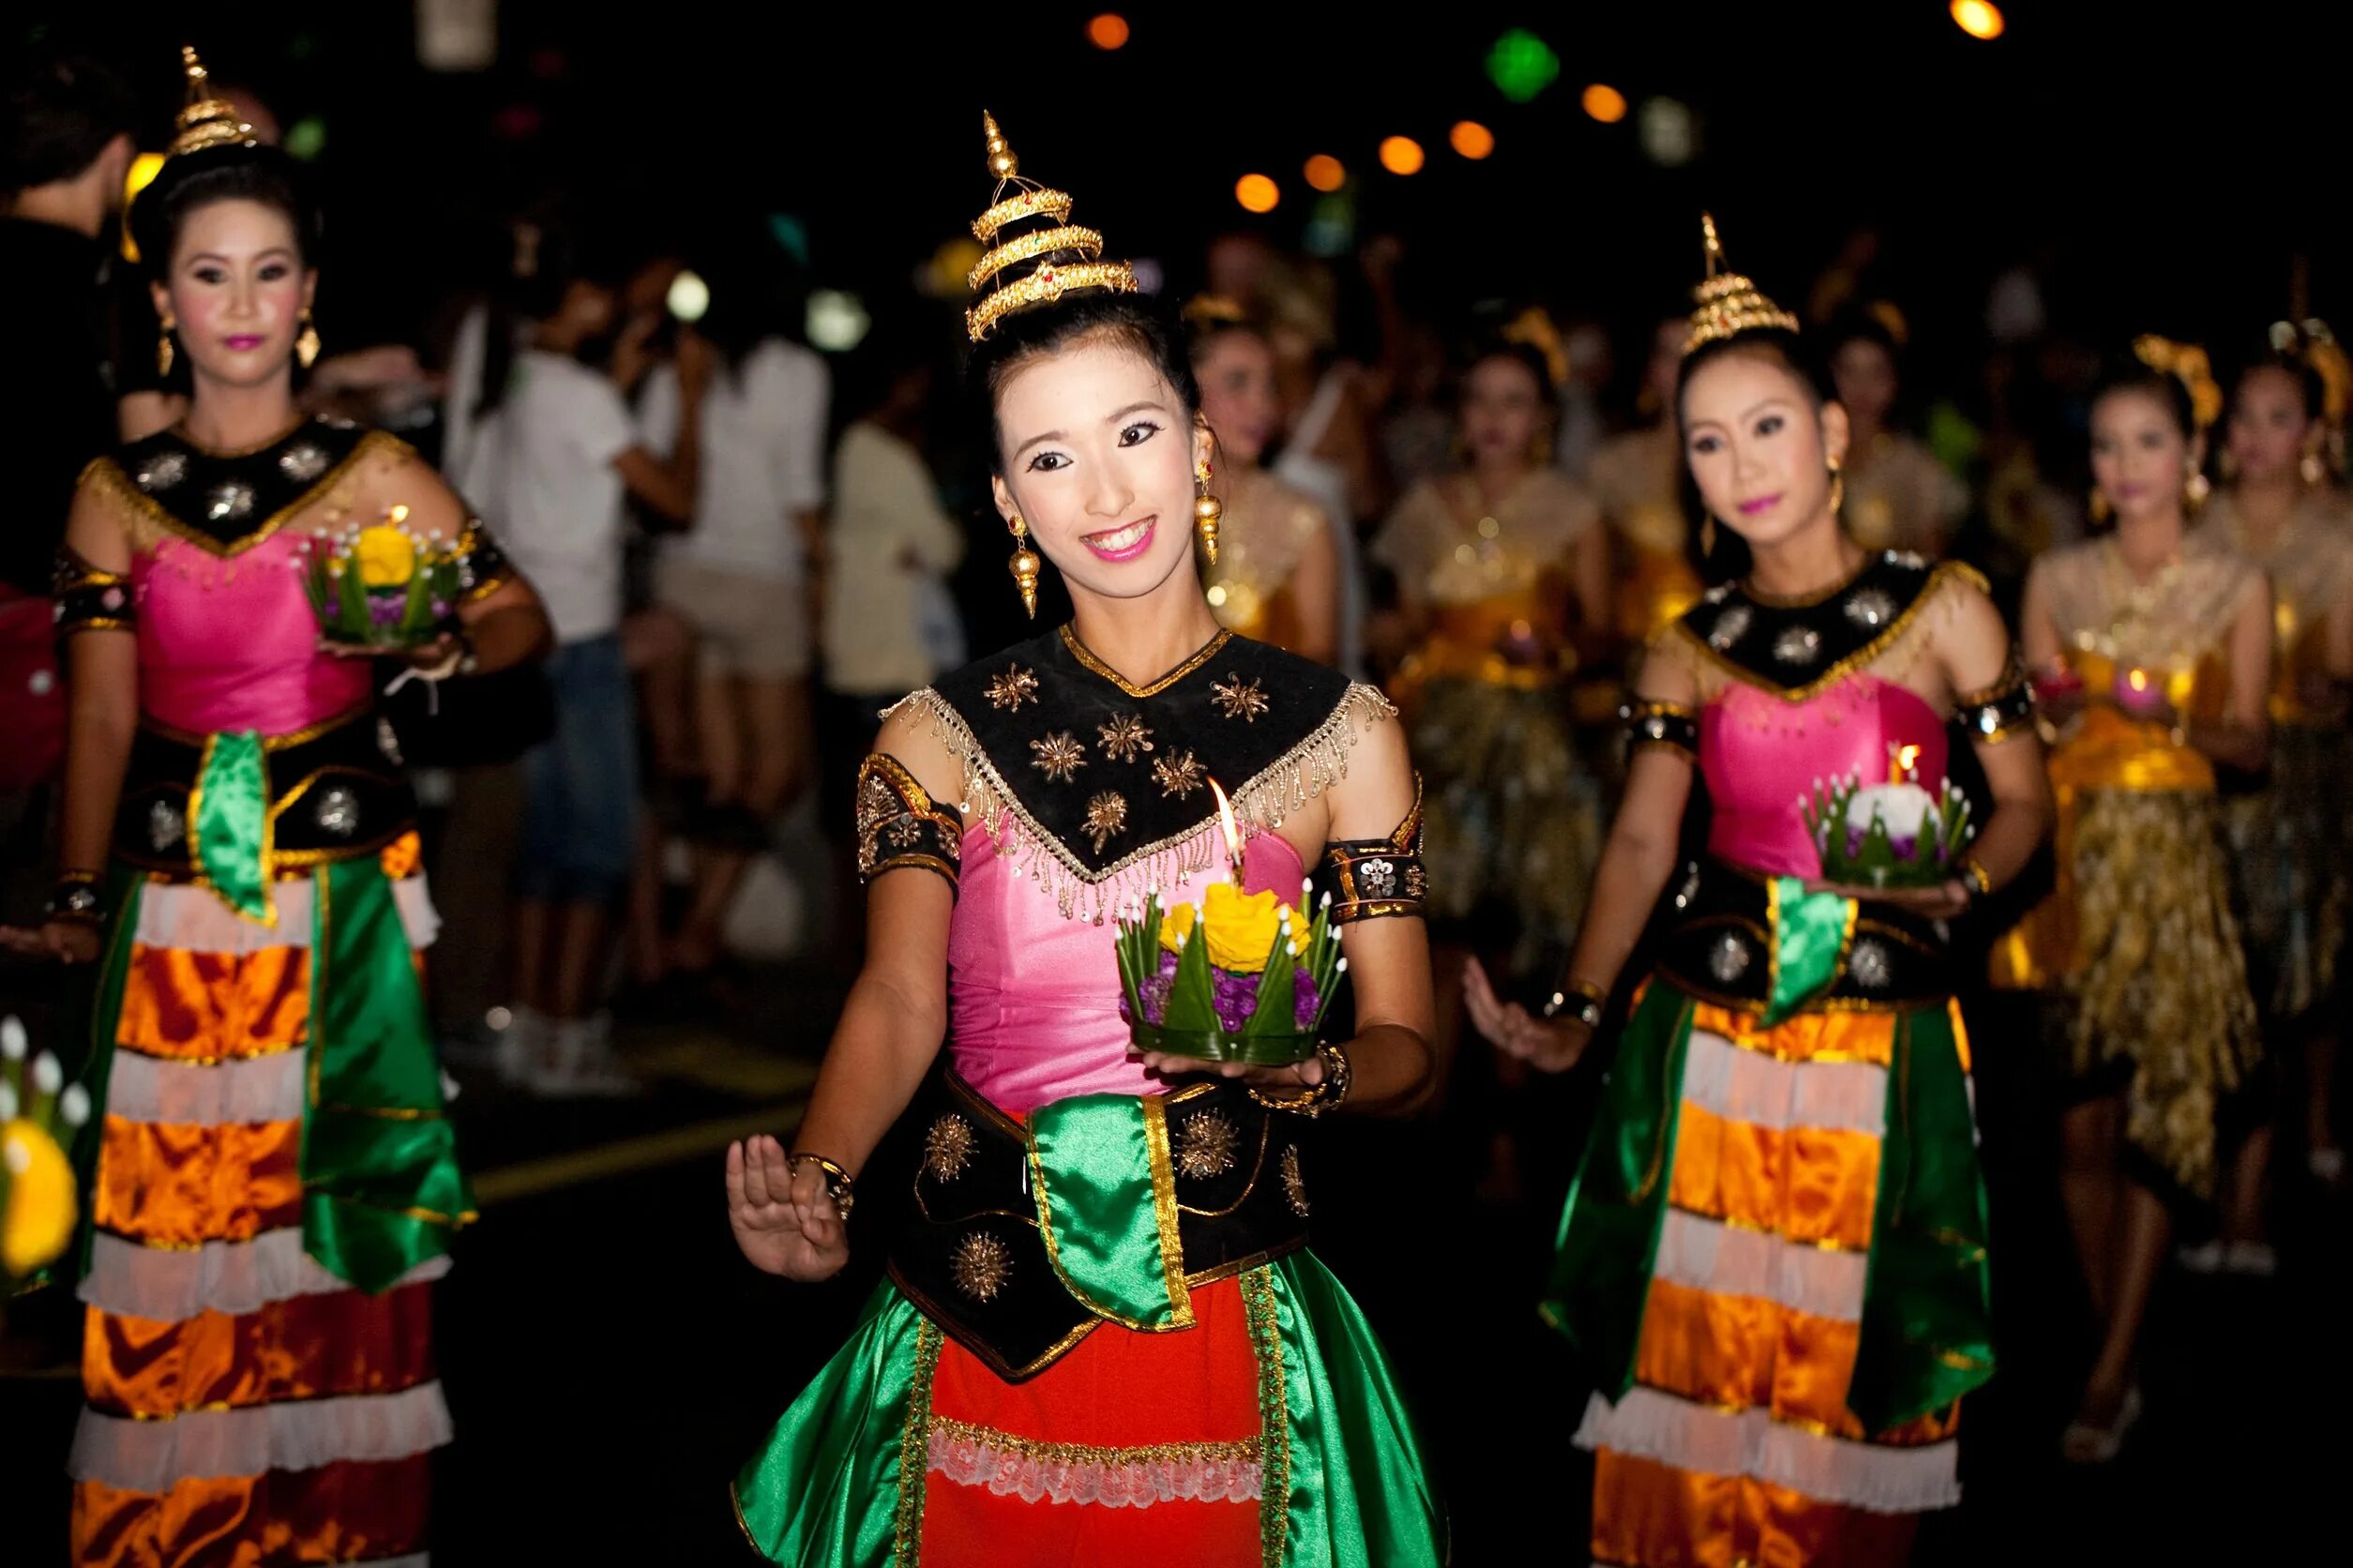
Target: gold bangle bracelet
1976,875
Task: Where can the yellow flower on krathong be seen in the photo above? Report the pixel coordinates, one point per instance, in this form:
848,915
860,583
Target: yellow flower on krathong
1240,926
40,1204
388,557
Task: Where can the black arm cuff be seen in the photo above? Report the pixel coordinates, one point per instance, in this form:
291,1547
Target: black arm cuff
1668,724
1374,878
89,599
2002,710
899,825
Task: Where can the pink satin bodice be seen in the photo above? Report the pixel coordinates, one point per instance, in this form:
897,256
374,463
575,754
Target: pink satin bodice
232,643
1034,998
1762,754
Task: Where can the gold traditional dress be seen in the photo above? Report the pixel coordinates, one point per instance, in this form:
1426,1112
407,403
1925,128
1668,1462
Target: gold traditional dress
1900,497
1513,815
1268,526
2138,938
1637,479
2289,839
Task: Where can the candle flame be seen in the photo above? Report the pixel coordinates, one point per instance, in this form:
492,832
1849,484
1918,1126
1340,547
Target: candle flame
1902,759
1226,825
397,515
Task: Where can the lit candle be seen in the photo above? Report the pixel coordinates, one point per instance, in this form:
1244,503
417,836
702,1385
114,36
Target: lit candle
1901,760
1233,833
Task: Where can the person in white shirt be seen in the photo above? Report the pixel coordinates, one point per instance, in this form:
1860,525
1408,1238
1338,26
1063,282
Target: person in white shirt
890,626
738,577
554,458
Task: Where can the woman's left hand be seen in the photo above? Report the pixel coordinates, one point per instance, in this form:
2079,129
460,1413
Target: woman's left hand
1298,1079
1947,900
442,650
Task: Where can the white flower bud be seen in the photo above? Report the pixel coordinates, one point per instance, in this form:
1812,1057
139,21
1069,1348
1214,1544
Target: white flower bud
48,1078
11,1038
73,1106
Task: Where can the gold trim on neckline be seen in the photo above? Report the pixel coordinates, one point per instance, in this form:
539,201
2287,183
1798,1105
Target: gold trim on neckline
110,473
1080,652
179,433
1822,595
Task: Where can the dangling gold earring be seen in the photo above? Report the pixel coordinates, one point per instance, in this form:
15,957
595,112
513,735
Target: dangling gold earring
2196,487
163,345
1207,510
1838,488
2314,468
307,345
1024,564
2099,506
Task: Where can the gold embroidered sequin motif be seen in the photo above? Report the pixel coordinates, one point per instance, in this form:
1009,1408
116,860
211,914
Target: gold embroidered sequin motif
1178,775
1204,1145
1294,1183
981,1266
1125,737
1012,688
1107,818
947,1147
1239,699
1059,757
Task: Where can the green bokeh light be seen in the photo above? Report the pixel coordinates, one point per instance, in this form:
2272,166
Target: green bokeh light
1522,64
306,138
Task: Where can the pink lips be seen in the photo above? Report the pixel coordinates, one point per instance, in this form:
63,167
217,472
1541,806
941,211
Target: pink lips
1763,503
245,342
1128,551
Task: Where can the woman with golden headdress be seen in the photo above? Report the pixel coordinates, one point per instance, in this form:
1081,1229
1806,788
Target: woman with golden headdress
2280,506
1898,495
1102,1340
2151,654
1276,576
1773,1259
272,1182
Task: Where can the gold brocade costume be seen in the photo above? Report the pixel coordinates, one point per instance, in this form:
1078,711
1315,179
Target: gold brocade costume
2137,936
1900,497
2289,840
1637,480
1513,813
1266,528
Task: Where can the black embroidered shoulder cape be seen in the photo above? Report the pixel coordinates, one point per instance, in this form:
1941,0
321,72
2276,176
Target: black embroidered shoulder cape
1102,786
229,502
1794,650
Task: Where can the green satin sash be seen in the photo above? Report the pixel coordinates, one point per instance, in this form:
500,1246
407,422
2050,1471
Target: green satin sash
1106,1193
1928,1318
840,1482
1346,1485
229,822
382,1190
104,1003
1810,934
1610,1228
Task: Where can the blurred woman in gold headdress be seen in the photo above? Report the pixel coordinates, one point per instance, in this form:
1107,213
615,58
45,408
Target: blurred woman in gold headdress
1276,576
2281,507
1898,495
2151,653
1502,570
1637,480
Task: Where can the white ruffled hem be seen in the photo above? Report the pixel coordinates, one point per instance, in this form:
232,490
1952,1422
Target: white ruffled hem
1707,1255
1648,1424
169,1285
142,1088
193,919
1749,1086
1136,1480
151,1456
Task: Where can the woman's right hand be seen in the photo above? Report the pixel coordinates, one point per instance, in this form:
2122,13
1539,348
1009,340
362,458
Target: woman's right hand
783,1218
64,941
1549,1045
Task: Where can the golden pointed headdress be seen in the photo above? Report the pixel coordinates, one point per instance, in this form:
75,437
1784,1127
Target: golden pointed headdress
1728,304
997,292
207,121
2187,364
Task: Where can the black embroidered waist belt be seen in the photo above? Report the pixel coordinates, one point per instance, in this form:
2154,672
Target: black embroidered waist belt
1103,1208
1719,946
234,807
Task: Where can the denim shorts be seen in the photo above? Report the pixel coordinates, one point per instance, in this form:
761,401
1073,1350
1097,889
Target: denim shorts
580,817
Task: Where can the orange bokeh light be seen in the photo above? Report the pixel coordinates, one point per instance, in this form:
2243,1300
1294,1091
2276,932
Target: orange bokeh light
1326,173
1979,19
1471,139
1604,103
1401,155
1107,31
1256,193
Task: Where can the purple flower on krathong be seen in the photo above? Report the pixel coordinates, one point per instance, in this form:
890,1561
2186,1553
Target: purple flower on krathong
1156,990
386,611
441,610
1305,1001
1235,996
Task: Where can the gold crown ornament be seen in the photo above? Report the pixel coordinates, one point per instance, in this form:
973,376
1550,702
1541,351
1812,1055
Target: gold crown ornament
2187,364
1728,304
207,121
1018,201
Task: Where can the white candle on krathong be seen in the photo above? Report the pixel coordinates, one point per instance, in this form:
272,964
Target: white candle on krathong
1901,760
1233,833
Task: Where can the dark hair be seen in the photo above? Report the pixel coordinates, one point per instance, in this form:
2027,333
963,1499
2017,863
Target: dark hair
757,294
2127,374
1139,322
1730,558
549,251
234,173
2309,382
1526,355
57,113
